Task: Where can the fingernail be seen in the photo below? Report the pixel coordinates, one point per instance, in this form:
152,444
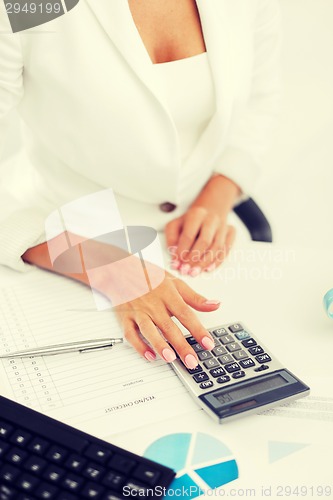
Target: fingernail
150,356
212,302
208,343
190,361
168,355
175,264
210,268
184,269
195,271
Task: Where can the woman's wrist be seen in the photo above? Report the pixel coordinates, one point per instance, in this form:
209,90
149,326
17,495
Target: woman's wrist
218,195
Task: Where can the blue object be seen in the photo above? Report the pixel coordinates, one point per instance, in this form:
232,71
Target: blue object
328,303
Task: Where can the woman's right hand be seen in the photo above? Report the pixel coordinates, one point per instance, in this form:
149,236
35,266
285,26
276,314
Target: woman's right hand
147,321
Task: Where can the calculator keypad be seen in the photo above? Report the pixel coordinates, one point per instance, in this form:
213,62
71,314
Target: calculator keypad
235,355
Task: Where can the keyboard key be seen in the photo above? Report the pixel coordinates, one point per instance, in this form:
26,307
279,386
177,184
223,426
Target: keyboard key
235,328
123,464
3,448
9,474
72,482
35,465
239,374
232,367
97,453
200,377
139,489
211,363
204,355
16,456
38,446
263,358
227,339
46,492
114,480
92,490
223,379
249,343
257,349
7,492
146,474
76,463
247,363
56,454
5,429
93,471
53,474
217,372
20,438
27,482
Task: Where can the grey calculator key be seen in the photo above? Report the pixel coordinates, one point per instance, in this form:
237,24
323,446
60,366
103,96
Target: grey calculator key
218,351
204,355
219,332
227,339
233,347
211,363
197,347
226,358
235,328
240,355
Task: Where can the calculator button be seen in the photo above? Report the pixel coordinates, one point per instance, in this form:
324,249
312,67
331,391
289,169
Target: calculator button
235,328
247,363
263,358
239,374
249,343
197,369
233,347
216,372
219,332
242,335
204,355
223,379
261,368
218,351
211,363
206,385
226,339
200,377
191,340
226,358
257,349
197,347
232,367
240,355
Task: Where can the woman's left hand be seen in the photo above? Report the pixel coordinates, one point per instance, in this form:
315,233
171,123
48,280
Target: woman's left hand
198,240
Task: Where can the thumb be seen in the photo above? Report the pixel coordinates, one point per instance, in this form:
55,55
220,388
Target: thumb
195,300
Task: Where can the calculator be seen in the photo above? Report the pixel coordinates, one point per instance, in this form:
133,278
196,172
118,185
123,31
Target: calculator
239,376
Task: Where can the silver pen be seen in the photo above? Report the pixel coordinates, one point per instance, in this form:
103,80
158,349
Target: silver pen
50,350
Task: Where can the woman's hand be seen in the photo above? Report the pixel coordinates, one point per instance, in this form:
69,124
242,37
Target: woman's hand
201,238
148,319
198,240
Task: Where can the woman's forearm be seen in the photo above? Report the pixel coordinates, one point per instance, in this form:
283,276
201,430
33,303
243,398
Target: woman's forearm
218,195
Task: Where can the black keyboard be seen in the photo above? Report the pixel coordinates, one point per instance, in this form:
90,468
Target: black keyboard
41,458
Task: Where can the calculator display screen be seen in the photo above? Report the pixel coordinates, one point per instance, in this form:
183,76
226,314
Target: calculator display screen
251,390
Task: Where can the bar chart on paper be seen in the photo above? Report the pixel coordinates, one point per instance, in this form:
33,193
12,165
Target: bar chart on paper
201,461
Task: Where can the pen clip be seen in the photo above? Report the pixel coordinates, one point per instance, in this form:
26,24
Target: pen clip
98,348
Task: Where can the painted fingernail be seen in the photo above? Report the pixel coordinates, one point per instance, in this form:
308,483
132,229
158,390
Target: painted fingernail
210,268
195,271
208,343
150,356
190,361
184,269
168,355
212,302
175,264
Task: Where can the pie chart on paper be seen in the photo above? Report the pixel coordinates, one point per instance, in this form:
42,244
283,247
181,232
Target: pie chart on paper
201,461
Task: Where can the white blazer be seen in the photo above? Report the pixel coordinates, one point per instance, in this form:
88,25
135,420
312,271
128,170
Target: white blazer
95,116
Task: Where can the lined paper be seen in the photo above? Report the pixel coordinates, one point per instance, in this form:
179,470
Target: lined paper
100,392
